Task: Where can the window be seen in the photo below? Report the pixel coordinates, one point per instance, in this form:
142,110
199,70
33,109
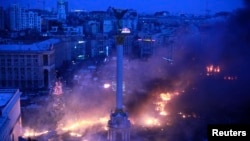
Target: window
45,60
3,83
16,62
2,62
9,62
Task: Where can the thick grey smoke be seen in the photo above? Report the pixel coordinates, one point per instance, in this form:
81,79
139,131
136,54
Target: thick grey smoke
225,43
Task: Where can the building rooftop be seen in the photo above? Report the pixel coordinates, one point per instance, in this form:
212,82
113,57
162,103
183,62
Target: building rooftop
4,98
39,46
6,95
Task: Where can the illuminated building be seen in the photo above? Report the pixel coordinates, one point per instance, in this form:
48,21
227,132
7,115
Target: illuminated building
27,66
97,46
10,122
147,45
79,51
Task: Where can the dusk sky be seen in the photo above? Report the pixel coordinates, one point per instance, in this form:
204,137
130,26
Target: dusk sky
148,6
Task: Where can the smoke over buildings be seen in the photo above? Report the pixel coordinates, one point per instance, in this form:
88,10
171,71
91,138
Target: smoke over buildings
190,97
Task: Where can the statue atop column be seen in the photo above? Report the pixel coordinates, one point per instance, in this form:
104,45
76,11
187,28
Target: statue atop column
119,14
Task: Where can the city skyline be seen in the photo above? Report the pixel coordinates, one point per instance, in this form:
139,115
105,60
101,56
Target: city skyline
77,76
150,6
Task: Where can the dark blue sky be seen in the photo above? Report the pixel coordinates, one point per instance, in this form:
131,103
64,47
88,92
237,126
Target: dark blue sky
173,6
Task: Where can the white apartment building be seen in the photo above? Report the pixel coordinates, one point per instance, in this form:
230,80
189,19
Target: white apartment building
21,19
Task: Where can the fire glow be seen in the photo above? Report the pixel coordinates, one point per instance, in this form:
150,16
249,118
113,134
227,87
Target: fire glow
57,90
152,122
74,134
162,102
211,70
82,124
33,133
160,115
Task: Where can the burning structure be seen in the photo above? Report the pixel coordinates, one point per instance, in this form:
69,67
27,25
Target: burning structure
58,102
57,90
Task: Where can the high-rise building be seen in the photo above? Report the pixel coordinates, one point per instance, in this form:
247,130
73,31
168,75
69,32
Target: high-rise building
10,113
15,15
21,19
62,9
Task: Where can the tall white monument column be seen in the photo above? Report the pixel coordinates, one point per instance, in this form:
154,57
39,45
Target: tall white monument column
119,124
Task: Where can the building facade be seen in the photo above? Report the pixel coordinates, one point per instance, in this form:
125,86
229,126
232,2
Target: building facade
99,46
147,45
10,114
2,19
130,20
21,19
62,10
108,25
31,20
27,66
128,45
79,51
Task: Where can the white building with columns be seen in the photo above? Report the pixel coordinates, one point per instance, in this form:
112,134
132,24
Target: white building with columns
28,66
